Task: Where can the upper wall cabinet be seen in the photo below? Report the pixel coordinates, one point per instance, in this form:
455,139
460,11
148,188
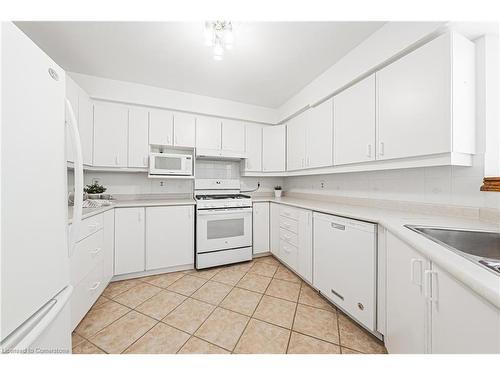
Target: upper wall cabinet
72,96
253,148
138,149
110,135
310,138
426,100
161,126
319,140
208,136
184,130
273,148
354,123
233,138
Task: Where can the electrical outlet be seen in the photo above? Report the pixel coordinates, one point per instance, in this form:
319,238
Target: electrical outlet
322,184
162,183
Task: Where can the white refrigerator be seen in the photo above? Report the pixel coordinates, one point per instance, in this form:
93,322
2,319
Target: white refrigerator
35,243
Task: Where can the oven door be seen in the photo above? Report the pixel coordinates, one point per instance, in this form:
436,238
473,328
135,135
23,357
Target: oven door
220,229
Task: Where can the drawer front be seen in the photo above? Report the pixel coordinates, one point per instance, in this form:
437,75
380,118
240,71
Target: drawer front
289,254
85,294
87,254
89,226
289,212
290,237
289,224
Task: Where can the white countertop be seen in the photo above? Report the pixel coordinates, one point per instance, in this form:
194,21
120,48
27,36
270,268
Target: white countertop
88,212
482,281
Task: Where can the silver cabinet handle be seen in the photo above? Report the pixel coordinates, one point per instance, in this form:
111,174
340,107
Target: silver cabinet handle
96,251
369,150
96,285
412,272
382,149
337,226
117,161
337,294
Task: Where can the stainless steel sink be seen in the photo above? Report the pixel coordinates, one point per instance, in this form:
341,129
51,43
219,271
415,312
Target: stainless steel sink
480,247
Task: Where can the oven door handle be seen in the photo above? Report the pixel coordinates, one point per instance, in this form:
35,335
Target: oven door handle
224,211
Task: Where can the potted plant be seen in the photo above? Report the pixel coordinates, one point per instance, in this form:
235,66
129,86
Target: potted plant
277,191
94,191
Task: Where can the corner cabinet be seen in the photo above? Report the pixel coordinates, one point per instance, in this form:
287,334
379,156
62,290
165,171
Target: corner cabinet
426,101
261,227
273,148
429,311
129,240
253,148
138,149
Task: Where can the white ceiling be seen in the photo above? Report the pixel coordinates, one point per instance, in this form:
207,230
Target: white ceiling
270,61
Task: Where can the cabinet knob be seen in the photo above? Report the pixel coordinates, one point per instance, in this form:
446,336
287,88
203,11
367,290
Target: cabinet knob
360,306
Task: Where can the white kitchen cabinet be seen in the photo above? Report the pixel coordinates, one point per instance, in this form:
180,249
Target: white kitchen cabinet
208,136
110,135
184,130
169,237
138,146
261,227
108,249
161,125
253,148
319,136
273,148
345,259
129,240
296,132
274,229
406,306
72,96
295,240
233,138
462,321
426,100
355,123
86,125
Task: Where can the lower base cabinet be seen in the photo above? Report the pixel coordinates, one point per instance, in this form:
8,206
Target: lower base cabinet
429,311
169,236
129,240
260,227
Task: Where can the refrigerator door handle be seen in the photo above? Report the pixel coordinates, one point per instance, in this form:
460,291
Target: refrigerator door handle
24,336
78,169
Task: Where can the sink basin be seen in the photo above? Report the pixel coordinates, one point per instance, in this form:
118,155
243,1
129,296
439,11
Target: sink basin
480,247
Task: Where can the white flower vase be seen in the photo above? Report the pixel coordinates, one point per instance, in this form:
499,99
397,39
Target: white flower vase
277,193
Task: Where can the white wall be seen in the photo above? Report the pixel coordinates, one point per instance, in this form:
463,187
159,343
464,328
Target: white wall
134,93
385,43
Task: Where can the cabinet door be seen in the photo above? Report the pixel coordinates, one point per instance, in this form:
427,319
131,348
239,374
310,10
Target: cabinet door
110,135
274,229
169,236
407,313
109,244
208,136
462,321
161,127
86,125
296,142
138,146
305,256
414,103
260,227
129,240
184,130
253,148
354,123
233,138
320,136
273,148
72,96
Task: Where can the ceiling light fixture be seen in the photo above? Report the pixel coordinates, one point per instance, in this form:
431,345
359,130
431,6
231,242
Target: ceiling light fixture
219,35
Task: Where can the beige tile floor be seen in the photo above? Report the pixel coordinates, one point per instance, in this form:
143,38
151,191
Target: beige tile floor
253,307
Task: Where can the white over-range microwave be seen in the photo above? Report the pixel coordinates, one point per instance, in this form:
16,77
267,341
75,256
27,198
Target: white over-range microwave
170,164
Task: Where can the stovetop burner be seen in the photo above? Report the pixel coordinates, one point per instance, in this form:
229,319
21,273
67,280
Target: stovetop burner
222,196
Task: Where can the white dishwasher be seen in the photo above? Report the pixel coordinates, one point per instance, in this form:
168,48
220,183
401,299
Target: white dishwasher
344,270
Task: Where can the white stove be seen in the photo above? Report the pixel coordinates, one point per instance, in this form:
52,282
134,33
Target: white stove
223,223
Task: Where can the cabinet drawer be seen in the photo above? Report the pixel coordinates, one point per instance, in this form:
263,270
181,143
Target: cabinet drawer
88,253
290,237
289,212
85,294
289,224
289,254
89,226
